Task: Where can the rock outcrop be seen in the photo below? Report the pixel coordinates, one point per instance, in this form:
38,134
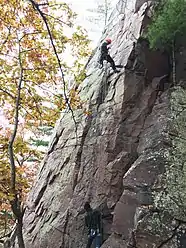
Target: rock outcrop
114,157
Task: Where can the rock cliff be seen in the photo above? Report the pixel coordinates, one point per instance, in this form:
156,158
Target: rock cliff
115,157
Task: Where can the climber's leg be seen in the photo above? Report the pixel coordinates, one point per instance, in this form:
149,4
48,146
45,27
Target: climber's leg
98,241
90,240
111,61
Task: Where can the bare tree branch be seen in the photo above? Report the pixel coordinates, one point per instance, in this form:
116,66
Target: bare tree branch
60,21
36,6
6,92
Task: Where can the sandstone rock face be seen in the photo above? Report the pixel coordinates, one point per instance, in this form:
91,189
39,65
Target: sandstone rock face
108,156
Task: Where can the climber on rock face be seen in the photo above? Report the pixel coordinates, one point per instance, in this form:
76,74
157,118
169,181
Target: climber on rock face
105,55
93,222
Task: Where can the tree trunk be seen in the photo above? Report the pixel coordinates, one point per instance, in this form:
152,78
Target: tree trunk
15,203
18,212
20,232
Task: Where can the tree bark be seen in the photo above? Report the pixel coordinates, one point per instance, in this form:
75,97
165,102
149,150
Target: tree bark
20,232
15,203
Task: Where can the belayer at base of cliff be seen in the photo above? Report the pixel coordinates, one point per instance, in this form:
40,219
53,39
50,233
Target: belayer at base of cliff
105,55
93,222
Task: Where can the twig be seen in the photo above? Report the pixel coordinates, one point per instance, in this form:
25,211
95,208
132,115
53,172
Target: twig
60,21
8,93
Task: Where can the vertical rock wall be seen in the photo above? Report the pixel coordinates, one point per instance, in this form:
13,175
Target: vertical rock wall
113,152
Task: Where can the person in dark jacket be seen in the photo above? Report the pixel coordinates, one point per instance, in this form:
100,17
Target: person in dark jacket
105,55
93,223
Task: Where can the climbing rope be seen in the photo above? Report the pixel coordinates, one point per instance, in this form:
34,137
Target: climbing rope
105,77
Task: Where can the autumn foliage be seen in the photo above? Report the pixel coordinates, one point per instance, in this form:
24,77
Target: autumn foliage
37,60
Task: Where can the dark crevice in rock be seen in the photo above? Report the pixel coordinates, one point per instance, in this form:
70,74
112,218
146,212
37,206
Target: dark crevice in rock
131,58
42,190
148,63
34,238
41,210
54,216
114,86
47,218
133,158
79,153
149,109
42,168
65,163
34,225
53,178
31,229
39,196
57,229
65,228
156,62
103,89
55,141
50,218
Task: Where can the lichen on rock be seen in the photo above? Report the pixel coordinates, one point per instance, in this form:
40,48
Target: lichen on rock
172,198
